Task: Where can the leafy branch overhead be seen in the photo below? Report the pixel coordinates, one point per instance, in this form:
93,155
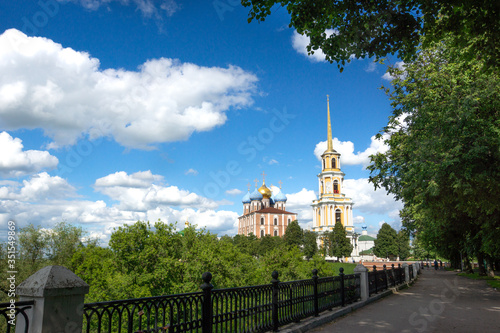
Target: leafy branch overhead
379,28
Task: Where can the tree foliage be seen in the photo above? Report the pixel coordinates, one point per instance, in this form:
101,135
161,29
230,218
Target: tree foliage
403,241
443,160
336,243
386,243
359,29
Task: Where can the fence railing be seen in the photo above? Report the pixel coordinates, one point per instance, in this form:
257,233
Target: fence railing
245,309
60,307
13,313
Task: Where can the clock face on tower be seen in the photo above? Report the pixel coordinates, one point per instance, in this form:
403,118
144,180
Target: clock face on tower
329,187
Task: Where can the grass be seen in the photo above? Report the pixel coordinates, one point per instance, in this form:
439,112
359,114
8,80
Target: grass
492,281
348,268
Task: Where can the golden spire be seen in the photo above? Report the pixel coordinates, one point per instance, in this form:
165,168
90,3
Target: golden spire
329,140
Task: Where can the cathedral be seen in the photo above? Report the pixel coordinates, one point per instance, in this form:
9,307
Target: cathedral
332,205
264,213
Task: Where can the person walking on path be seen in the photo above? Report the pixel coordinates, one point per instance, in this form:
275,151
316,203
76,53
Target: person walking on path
435,264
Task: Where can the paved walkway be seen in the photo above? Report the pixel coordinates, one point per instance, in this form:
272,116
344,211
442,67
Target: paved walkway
439,301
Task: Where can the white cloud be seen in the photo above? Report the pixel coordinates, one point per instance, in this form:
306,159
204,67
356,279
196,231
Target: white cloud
346,150
300,42
389,77
45,200
358,219
148,8
372,66
67,95
272,161
40,187
137,192
234,191
367,200
300,203
191,172
15,162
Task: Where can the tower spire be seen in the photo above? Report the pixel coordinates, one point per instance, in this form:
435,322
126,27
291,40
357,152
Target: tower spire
329,140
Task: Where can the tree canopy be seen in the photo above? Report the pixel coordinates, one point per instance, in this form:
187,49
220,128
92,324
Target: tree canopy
336,243
350,28
386,243
443,160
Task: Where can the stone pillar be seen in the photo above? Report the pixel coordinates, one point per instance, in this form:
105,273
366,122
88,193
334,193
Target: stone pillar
59,296
415,270
363,281
407,272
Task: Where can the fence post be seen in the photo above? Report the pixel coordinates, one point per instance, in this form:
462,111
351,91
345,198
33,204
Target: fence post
376,277
386,277
59,295
342,292
275,299
363,281
393,275
407,272
415,270
207,310
315,290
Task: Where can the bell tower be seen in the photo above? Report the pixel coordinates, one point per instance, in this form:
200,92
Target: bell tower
332,205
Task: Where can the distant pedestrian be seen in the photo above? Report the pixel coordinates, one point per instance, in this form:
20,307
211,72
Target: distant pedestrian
441,264
435,264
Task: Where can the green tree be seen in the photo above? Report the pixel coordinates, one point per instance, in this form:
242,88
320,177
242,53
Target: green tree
294,235
336,243
403,244
359,29
444,151
310,246
386,243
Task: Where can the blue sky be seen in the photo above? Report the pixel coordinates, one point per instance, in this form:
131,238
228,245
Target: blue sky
116,111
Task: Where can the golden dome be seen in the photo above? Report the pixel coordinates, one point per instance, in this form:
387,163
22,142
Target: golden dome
266,192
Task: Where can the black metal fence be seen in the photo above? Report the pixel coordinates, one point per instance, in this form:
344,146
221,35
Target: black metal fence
13,313
380,280
246,309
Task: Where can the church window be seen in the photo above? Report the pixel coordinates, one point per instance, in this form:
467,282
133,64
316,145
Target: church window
335,186
262,233
275,221
323,164
261,221
338,216
275,232
288,221
333,162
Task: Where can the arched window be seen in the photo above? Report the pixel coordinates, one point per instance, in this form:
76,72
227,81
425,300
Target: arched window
335,186
288,221
323,164
338,216
333,162
262,233
275,221
275,232
262,221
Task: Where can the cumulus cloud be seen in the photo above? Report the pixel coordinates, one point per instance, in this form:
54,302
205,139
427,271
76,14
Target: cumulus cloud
273,161
148,8
65,93
234,191
300,42
39,187
138,192
346,150
15,162
300,203
46,200
369,201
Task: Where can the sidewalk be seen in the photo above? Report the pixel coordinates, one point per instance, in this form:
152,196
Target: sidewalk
439,301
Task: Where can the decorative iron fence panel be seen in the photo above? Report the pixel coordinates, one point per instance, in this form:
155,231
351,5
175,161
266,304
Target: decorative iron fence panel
245,309
170,313
295,301
352,287
329,293
410,267
19,311
377,280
